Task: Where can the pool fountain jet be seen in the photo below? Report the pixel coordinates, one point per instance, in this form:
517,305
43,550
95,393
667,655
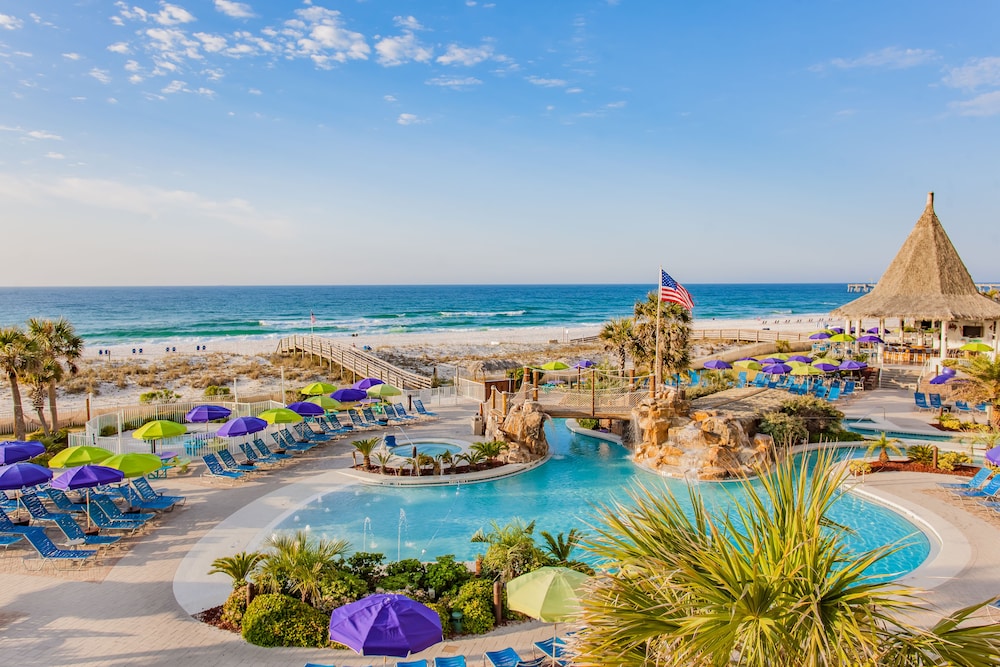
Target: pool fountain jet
399,533
367,528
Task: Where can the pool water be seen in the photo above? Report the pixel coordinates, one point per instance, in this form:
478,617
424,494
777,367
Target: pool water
428,448
900,435
425,522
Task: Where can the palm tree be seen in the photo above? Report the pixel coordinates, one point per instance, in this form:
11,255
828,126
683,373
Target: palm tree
512,550
675,334
57,340
473,457
298,563
18,355
561,546
366,447
382,458
883,445
769,583
490,450
239,566
981,384
618,339
42,376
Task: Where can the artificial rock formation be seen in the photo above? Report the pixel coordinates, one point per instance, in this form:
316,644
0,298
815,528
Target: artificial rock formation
705,444
521,430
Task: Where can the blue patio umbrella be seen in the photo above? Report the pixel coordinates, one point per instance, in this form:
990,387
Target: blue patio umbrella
306,409
20,475
365,384
776,369
851,365
386,624
717,365
207,413
242,426
349,395
14,451
87,477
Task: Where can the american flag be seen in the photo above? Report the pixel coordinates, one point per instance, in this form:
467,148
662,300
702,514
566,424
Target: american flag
673,291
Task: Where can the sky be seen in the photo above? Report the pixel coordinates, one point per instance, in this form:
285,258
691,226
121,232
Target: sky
205,142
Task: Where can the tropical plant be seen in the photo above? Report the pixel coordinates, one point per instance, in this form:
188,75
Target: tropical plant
383,459
445,575
883,445
473,457
512,550
819,416
560,547
58,343
450,459
923,454
948,461
366,447
769,582
298,563
278,620
491,449
42,375
238,567
859,467
18,355
785,430
618,339
675,334
980,384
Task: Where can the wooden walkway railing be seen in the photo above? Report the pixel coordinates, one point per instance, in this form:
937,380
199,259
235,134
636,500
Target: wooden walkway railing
351,358
742,335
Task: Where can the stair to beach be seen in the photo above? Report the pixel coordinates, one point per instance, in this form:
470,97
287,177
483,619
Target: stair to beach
899,378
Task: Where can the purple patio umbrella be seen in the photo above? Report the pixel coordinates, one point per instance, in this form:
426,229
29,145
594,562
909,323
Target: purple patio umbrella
207,413
825,367
875,330
242,426
771,360
820,335
386,624
87,477
717,365
20,475
800,357
993,456
837,330
747,359
583,363
851,365
870,338
15,451
776,369
365,384
941,379
306,409
349,395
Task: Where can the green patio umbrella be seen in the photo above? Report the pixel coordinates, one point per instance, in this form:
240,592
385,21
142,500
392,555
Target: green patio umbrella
326,402
747,363
826,360
842,338
79,456
134,464
806,369
554,366
976,346
550,594
280,416
317,388
159,429
383,391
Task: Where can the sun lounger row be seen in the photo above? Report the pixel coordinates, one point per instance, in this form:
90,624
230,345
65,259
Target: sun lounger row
222,465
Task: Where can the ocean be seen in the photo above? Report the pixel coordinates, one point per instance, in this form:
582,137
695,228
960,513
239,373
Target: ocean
131,315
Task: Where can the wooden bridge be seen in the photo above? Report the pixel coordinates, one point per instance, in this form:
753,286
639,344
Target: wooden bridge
352,359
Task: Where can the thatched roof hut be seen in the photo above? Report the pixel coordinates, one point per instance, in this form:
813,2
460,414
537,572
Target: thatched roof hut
926,281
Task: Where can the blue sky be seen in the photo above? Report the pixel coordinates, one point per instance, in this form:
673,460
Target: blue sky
223,142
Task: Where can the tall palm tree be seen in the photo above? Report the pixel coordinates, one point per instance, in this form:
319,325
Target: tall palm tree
42,375
769,583
297,563
981,384
512,550
18,355
675,334
618,339
58,341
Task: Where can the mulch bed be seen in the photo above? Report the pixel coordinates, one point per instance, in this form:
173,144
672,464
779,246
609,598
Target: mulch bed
446,470
911,466
213,616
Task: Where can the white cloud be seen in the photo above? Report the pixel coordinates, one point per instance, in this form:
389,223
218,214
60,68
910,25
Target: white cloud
975,73
468,56
891,57
453,82
112,100
173,87
172,15
236,10
255,91
407,23
9,22
30,134
52,155
398,50
213,43
319,34
409,119
574,91
389,98
120,48
101,75
213,74
546,83
987,104
72,56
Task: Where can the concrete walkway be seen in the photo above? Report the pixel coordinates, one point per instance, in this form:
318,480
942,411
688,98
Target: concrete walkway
129,613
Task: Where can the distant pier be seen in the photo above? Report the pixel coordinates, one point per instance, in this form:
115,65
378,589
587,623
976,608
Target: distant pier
867,287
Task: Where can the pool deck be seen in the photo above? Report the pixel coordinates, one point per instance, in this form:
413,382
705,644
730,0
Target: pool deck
136,610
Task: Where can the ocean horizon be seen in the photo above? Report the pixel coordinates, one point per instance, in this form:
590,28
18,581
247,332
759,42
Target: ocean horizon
182,314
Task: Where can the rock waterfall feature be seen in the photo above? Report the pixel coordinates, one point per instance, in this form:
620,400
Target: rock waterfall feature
522,430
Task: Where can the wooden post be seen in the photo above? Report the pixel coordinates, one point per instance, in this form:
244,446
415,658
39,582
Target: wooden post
593,398
504,404
498,601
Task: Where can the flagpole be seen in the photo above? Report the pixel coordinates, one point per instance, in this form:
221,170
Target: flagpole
656,369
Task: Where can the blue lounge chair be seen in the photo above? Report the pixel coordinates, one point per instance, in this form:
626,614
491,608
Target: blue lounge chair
935,401
74,533
228,460
255,458
358,421
401,412
920,400
980,408
36,509
266,452
554,649
833,394
62,501
963,406
147,492
508,657
988,491
217,470
108,506
975,482
848,389
307,433
333,424
412,663
760,380
372,419
418,405
104,522
47,549
133,499
450,661
741,379
7,539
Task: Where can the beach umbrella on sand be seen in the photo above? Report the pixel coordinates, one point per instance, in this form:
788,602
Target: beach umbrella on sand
976,347
15,451
241,426
385,391
386,624
133,464
366,384
349,395
306,409
280,416
158,429
207,413
317,388
820,335
554,366
326,402
87,477
776,369
78,456
717,365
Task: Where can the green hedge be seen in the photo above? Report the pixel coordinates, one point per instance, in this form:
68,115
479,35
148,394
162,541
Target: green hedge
475,601
279,620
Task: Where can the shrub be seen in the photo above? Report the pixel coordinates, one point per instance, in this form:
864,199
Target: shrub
216,390
279,620
405,574
446,575
921,454
588,422
159,396
951,460
367,566
475,601
444,613
782,346
950,422
817,415
109,430
860,467
787,430
339,588
235,607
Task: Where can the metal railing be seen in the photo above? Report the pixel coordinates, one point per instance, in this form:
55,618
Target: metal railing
352,359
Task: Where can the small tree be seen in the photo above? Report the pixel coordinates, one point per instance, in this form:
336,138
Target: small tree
512,550
490,450
560,547
383,459
366,447
883,445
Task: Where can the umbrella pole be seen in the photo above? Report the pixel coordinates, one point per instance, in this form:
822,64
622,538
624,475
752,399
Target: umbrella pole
88,509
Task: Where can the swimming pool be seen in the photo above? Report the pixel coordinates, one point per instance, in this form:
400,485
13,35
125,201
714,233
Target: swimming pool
425,522
435,448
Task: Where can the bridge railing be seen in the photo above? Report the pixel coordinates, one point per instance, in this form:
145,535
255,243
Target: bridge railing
353,359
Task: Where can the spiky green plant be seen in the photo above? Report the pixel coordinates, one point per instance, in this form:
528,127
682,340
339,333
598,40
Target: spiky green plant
560,547
769,583
366,447
239,566
883,445
490,449
980,384
512,550
297,563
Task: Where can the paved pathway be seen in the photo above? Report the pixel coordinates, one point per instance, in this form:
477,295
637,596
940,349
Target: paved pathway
132,616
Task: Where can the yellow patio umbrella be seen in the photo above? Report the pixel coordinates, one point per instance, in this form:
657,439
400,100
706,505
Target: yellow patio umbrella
326,402
79,456
383,391
134,464
976,346
158,429
318,388
280,416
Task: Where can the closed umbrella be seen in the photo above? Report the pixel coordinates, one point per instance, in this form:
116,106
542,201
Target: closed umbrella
306,409
207,413
15,451
78,456
317,388
87,477
280,416
386,624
